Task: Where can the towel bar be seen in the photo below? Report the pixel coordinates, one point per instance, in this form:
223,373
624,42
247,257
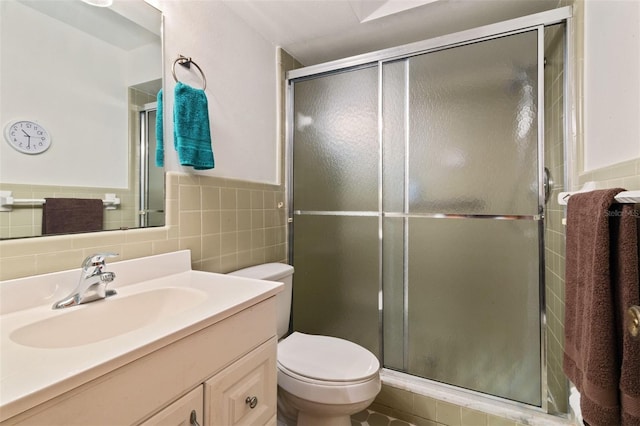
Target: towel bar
110,201
626,197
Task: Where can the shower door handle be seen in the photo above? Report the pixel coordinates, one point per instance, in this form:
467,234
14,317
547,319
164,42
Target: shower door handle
547,183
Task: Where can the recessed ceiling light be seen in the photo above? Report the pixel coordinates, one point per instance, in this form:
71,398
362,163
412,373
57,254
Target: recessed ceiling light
369,10
99,3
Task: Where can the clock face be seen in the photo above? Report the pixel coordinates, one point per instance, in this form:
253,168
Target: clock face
27,136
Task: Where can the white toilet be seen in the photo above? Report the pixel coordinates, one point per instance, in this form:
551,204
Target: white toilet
322,380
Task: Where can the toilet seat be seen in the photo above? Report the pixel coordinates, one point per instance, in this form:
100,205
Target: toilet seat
326,359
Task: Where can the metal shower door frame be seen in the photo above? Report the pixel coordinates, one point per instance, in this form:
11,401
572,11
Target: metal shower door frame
535,22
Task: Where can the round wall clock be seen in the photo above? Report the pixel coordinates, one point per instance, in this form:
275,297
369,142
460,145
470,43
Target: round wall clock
27,136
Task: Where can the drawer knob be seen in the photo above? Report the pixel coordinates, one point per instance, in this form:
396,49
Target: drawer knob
252,401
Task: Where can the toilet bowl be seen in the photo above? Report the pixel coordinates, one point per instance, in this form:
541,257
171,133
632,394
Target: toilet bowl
322,380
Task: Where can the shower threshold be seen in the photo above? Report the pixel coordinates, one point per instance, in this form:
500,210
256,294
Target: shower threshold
515,411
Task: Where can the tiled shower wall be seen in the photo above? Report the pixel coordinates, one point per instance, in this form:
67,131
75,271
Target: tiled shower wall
623,175
554,234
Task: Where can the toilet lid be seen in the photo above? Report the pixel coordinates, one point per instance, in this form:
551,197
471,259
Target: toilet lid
326,358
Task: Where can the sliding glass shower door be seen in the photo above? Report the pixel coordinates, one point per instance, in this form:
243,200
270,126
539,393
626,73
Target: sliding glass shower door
336,202
151,177
417,213
461,200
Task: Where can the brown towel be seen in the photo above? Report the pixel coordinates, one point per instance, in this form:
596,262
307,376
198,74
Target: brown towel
601,358
626,279
71,215
590,360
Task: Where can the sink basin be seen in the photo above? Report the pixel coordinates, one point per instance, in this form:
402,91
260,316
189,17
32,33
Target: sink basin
107,318
46,352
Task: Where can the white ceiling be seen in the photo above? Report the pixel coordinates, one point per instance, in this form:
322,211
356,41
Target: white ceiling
317,31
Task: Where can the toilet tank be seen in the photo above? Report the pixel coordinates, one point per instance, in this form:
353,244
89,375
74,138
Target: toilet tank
280,272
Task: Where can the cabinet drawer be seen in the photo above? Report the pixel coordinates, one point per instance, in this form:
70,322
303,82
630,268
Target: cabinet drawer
245,392
179,412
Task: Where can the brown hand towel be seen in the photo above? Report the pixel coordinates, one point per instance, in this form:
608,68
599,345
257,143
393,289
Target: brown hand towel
71,215
626,278
590,355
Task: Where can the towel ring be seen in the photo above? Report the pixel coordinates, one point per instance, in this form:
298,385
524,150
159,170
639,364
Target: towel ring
186,62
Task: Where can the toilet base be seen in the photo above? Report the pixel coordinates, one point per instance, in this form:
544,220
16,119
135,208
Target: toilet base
295,411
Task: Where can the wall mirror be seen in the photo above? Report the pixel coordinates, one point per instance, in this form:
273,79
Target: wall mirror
89,77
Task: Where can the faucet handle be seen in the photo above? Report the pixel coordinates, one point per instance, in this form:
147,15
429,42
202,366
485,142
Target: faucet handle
97,259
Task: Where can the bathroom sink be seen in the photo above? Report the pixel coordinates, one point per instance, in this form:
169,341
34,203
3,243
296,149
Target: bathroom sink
107,318
160,300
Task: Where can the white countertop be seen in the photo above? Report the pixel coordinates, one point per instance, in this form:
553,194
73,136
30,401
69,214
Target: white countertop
31,375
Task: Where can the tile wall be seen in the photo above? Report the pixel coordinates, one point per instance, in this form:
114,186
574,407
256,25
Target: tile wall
554,232
26,220
422,410
623,175
227,224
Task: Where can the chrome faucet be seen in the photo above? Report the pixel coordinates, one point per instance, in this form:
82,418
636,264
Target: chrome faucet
93,282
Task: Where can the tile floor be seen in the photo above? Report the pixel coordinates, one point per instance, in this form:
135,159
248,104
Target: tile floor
372,418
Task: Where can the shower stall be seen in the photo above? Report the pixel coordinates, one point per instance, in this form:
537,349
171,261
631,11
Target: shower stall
151,178
418,181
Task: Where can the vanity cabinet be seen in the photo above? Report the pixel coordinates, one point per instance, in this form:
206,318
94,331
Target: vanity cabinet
242,394
186,411
217,370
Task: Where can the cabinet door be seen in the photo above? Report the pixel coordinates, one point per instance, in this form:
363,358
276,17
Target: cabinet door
179,412
245,392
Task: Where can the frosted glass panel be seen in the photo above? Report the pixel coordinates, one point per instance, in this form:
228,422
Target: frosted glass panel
336,284
473,128
335,142
394,107
474,305
393,291
461,301
155,178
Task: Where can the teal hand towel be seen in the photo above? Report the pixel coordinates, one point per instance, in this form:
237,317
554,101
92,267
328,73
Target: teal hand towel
191,133
159,132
